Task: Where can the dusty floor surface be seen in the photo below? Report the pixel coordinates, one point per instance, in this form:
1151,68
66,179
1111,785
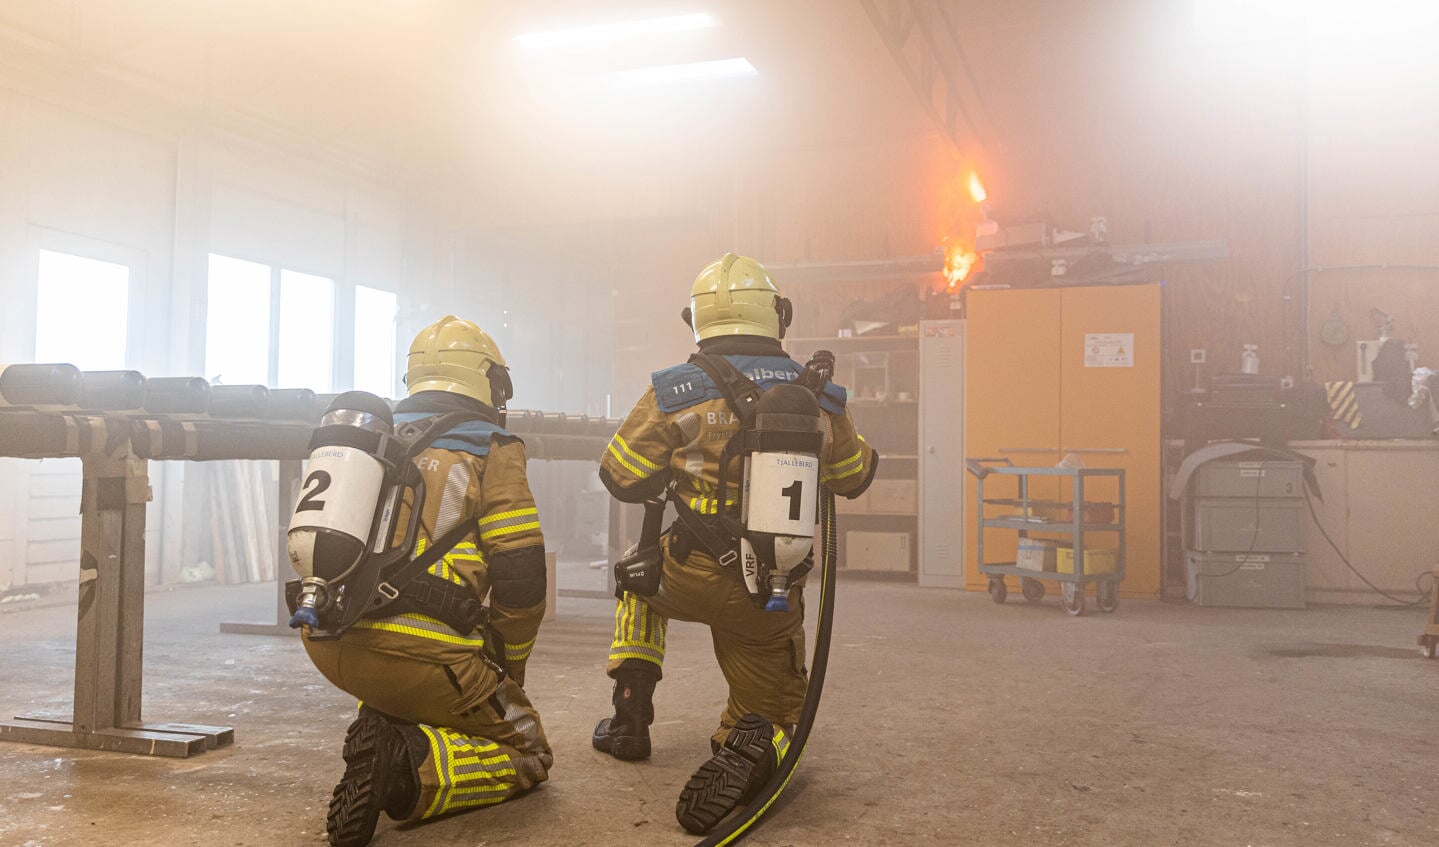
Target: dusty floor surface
947,720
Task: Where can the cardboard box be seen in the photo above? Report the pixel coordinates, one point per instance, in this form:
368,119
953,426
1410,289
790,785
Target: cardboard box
877,551
1096,560
898,496
1038,554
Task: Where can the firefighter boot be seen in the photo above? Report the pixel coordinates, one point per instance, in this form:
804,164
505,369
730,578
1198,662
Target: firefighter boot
732,777
626,736
380,775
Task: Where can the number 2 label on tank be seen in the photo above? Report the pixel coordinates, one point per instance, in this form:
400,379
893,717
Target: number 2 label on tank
340,490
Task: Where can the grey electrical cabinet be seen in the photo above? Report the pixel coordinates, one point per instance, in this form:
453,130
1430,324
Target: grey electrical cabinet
941,454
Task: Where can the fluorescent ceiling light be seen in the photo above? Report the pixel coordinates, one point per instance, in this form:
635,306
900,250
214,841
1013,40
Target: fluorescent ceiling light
688,72
610,32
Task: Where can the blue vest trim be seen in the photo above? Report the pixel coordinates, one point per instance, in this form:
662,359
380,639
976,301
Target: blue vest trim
687,385
471,437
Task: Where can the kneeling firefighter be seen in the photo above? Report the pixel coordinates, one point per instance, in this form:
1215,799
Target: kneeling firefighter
406,524
737,439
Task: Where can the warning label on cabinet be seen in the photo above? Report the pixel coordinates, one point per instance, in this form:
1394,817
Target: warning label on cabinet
1109,350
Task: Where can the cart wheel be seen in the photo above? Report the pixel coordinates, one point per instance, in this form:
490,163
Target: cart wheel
1071,596
1032,589
1426,646
998,592
1107,595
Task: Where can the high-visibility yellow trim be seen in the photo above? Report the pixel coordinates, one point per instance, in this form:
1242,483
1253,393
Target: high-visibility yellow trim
514,513
629,466
421,626
633,455
851,472
509,530
859,454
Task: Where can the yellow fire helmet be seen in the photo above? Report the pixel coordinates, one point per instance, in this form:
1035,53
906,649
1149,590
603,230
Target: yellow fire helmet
735,295
455,355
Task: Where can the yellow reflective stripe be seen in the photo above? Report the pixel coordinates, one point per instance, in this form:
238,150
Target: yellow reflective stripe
847,462
637,653
440,754
627,464
851,472
510,530
504,516
421,626
707,505
633,455
519,652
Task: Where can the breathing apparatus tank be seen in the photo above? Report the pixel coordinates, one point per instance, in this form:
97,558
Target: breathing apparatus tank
780,490
340,534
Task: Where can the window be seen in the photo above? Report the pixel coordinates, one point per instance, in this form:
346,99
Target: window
375,315
237,322
82,311
307,331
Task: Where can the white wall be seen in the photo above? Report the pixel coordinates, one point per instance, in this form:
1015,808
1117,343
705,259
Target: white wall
158,193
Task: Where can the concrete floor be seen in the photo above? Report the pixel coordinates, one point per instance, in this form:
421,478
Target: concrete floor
947,720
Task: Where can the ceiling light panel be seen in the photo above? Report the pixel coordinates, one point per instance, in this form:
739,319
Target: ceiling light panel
594,33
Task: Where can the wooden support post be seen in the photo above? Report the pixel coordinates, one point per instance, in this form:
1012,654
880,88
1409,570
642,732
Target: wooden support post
283,506
110,630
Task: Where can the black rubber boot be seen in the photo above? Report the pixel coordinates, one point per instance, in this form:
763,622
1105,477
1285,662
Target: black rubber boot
626,736
380,775
731,778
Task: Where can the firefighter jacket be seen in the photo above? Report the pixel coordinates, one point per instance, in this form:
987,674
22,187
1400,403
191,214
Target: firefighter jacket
682,423
473,473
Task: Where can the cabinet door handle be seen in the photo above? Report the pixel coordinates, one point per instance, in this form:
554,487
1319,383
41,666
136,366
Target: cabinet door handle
1029,449
1094,450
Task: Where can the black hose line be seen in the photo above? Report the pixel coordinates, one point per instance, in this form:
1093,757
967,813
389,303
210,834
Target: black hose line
750,816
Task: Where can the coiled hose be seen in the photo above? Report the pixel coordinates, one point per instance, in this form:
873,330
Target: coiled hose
740,824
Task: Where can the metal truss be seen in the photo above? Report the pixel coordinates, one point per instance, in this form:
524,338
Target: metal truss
923,37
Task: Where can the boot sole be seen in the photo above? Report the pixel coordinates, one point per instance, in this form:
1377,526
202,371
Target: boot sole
727,780
626,748
354,805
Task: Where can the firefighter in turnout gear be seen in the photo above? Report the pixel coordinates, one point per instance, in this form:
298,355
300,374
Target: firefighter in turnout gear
670,445
445,724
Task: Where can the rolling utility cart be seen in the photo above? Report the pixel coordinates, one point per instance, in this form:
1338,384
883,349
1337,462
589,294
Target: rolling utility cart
1429,638
1074,517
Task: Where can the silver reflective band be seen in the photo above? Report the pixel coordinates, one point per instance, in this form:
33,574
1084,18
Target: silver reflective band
350,417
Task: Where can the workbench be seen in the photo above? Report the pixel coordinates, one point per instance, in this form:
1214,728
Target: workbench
116,450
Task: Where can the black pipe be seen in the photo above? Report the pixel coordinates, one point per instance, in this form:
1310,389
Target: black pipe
238,401
170,395
39,385
112,390
292,404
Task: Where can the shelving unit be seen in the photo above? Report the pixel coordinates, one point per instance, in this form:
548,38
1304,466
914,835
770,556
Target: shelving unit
882,375
1023,518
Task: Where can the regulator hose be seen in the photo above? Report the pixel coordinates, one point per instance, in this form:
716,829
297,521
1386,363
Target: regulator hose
749,817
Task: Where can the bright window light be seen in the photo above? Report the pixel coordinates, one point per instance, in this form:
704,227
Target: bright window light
688,72
237,322
81,311
609,32
375,313
307,331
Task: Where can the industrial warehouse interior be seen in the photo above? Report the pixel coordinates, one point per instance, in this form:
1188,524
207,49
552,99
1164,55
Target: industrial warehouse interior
670,422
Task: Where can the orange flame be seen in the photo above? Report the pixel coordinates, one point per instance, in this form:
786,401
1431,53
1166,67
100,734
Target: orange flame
959,260
976,188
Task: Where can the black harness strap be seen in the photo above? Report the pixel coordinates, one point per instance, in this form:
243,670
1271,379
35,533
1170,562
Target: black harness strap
401,587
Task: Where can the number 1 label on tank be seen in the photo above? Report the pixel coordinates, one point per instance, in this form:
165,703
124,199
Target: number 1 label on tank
783,492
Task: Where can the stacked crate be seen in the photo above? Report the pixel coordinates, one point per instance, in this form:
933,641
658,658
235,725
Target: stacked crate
1246,544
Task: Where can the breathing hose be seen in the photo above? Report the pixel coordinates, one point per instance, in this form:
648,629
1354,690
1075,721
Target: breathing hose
749,817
